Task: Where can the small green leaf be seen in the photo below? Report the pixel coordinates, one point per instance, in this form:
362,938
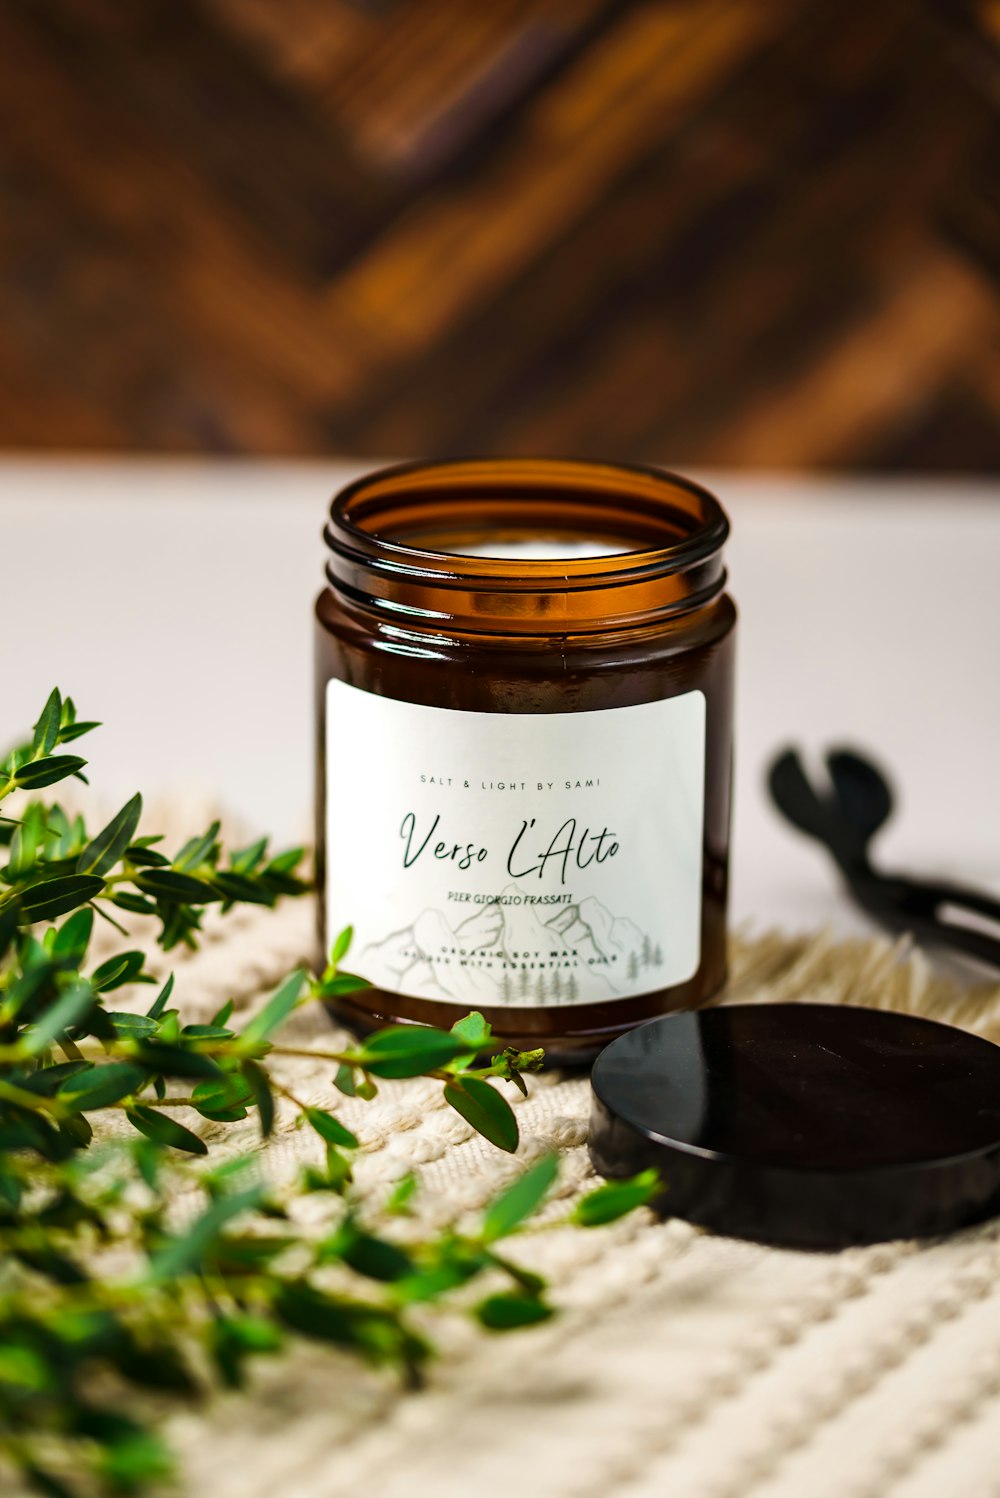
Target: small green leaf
508,1312
520,1200
287,862
254,1333
245,860
8,925
47,727
134,1460
127,899
375,1258
330,1128
173,888
198,850
222,1096
60,832
158,1005
163,1130
485,1109
54,897
72,1005
407,1051
257,1079
473,1031
71,731
46,1080
277,1009
616,1199
527,1280
41,772
38,973
331,985
73,936
171,1060
11,1190
341,945
234,886
375,1332
126,1025
117,971
142,857
399,1198
169,1032
233,1338
316,1315
26,841
338,1170
431,1284
180,1255
224,1178
104,851
225,1014
25,1368
100,1086
343,1080
77,1128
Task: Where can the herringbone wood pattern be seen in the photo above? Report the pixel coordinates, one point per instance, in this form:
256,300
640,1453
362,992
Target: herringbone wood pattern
700,231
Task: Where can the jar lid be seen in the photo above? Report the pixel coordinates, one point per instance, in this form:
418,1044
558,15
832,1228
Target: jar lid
804,1125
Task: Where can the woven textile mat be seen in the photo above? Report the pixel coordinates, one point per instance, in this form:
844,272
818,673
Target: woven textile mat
682,1363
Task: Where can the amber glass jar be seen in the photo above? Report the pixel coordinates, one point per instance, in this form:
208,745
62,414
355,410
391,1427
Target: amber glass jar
524,693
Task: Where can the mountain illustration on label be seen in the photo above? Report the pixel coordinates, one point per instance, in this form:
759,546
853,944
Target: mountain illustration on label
511,952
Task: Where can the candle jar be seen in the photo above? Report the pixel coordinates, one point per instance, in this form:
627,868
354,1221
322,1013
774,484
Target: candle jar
524,692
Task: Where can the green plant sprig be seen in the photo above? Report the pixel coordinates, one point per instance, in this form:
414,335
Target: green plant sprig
95,1275
54,866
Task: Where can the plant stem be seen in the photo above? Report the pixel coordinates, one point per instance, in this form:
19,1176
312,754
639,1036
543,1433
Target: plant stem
298,1050
22,1098
286,1092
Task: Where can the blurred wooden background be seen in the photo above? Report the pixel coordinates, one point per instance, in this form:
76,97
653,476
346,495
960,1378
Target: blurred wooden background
694,231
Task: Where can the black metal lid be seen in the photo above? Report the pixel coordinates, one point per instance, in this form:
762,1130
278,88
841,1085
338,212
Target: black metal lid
807,1125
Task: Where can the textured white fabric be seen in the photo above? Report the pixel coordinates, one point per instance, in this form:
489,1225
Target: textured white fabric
682,1363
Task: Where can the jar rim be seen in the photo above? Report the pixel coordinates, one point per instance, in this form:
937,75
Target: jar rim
378,564
701,524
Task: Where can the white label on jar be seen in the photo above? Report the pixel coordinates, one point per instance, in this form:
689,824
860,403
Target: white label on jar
525,859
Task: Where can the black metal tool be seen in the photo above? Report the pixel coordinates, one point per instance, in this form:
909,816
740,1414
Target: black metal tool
845,817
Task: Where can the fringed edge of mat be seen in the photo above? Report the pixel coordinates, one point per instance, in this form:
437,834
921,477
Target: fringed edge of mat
874,972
